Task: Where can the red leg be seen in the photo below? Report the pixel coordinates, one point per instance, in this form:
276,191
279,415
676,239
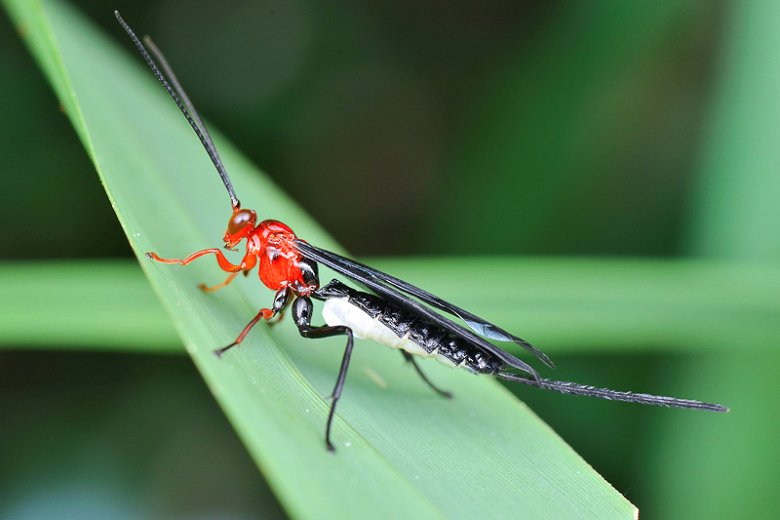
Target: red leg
279,317
281,300
223,262
231,276
264,314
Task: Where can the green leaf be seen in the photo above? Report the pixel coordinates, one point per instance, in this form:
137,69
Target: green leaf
402,451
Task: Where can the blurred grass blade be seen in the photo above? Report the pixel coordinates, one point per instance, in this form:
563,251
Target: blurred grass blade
736,214
103,305
402,451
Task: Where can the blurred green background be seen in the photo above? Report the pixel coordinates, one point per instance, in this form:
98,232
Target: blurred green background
421,128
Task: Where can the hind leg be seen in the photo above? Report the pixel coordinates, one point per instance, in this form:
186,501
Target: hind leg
410,358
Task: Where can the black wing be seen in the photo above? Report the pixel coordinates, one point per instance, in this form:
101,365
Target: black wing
480,326
385,285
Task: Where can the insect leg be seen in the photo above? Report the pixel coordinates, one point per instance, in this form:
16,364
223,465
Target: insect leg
276,320
410,358
281,300
205,288
302,310
248,262
231,276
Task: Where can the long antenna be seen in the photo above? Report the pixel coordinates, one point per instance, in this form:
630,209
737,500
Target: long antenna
189,112
565,387
174,81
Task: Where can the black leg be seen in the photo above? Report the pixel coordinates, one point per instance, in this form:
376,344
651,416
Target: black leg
410,358
302,309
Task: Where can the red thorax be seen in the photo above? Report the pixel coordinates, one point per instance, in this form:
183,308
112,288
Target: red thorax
269,244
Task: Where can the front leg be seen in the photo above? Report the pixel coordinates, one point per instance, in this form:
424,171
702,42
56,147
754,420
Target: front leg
281,300
248,262
302,309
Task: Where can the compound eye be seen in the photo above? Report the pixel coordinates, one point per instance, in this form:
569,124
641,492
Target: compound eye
239,220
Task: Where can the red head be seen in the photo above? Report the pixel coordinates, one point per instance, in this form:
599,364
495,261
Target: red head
241,224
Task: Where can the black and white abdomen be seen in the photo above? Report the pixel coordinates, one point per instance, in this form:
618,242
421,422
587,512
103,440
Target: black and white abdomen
371,317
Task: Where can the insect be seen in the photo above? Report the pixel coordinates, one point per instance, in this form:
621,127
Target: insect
397,314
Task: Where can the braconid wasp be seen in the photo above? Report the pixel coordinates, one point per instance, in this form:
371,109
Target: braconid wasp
397,314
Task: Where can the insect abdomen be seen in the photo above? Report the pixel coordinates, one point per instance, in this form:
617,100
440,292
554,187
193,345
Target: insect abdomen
371,317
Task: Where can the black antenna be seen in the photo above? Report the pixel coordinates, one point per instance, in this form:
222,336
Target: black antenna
174,81
565,387
189,112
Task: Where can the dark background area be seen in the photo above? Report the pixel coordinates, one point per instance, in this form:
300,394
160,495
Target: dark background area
409,127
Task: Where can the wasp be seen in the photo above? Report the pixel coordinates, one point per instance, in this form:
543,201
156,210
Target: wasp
395,313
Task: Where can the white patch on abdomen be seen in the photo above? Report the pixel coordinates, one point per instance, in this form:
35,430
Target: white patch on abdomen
338,311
